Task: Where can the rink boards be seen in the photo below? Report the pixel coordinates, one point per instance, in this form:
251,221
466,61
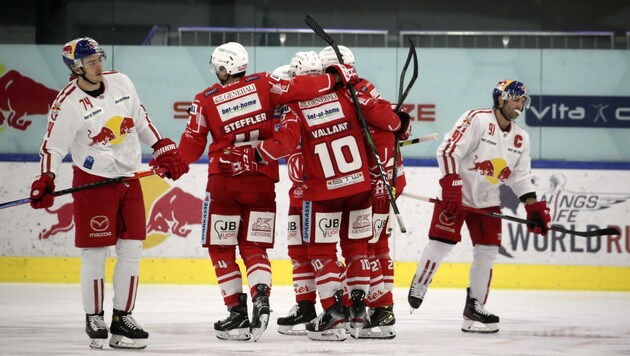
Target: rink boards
38,246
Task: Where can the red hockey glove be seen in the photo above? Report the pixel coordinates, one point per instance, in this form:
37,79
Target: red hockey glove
380,199
347,73
166,155
451,193
41,192
405,126
538,213
238,160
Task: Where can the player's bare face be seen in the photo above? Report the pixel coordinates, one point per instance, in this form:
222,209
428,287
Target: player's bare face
514,106
93,68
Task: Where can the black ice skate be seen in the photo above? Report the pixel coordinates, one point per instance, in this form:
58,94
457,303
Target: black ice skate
381,324
329,325
96,329
416,294
299,316
126,332
236,325
477,319
260,311
358,316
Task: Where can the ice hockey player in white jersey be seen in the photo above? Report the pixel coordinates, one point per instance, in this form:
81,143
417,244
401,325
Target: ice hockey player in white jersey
485,149
98,118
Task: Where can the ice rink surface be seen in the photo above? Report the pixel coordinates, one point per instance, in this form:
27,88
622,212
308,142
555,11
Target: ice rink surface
47,319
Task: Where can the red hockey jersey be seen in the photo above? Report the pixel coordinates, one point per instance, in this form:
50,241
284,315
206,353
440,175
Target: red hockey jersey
332,143
241,113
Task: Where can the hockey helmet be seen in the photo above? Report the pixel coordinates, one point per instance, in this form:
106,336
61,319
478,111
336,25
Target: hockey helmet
282,72
328,56
76,50
510,89
232,56
305,63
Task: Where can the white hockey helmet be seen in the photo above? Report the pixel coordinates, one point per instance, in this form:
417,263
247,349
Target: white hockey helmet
305,63
282,72
76,50
232,56
328,56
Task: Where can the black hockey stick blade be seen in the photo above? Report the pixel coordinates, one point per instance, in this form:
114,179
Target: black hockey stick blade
590,233
87,186
402,95
310,22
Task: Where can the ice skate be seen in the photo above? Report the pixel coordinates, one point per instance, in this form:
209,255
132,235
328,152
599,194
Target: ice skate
96,329
329,325
299,316
126,332
477,319
416,294
260,317
358,316
380,325
236,325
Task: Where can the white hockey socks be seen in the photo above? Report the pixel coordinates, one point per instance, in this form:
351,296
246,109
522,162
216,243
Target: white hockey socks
481,271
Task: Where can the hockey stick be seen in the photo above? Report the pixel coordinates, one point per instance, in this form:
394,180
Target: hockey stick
87,186
326,37
590,233
402,95
427,138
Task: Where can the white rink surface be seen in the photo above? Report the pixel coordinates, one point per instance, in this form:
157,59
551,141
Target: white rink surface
47,319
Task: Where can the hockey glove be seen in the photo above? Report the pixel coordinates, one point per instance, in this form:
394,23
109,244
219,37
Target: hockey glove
538,214
167,156
347,73
238,160
451,193
380,199
41,192
405,126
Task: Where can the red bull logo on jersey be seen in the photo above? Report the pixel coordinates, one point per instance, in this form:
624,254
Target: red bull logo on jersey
495,170
113,132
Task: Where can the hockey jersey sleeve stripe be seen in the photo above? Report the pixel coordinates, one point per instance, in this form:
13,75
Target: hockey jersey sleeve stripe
49,161
450,164
150,135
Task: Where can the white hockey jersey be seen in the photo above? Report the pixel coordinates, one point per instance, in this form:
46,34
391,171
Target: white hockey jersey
102,134
485,157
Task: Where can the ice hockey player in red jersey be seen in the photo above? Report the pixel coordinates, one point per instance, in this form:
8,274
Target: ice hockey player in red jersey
302,63
239,208
485,148
337,195
381,317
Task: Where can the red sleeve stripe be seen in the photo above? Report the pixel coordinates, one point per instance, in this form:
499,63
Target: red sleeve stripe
450,166
45,155
155,132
